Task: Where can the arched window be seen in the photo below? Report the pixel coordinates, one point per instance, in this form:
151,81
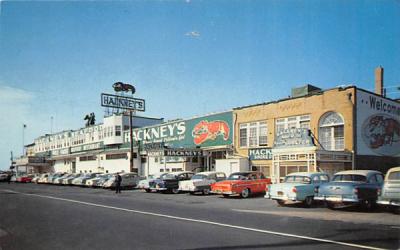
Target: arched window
331,131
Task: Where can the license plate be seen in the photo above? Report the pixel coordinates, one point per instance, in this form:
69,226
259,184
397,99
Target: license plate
280,193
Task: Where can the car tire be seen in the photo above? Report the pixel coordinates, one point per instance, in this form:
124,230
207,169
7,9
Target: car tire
226,195
191,193
309,201
206,191
330,205
175,191
394,209
245,193
148,190
280,202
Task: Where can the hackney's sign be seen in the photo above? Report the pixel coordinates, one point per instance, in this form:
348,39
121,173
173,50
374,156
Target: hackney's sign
260,154
122,102
293,137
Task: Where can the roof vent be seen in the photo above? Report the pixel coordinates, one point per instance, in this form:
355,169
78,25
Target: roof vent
305,90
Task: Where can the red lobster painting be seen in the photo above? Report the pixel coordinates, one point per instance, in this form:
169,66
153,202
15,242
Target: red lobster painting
204,131
382,131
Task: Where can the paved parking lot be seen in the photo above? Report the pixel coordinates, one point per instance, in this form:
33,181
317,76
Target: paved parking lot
189,221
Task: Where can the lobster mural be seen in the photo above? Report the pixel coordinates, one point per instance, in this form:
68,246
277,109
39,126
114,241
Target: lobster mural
382,131
120,86
204,131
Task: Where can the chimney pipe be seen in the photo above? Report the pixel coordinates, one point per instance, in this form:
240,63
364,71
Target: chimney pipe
379,80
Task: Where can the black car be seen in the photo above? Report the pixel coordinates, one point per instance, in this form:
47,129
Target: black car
170,182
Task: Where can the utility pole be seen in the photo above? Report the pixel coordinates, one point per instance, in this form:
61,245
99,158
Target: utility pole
51,125
131,139
23,138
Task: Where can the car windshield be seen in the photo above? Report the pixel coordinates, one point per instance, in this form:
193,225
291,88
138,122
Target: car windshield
297,179
350,177
169,176
199,177
394,176
238,176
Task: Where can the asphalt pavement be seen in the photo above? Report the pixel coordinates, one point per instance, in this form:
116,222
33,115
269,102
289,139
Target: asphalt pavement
63,217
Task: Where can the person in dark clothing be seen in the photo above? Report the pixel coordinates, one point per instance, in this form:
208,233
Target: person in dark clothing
9,178
118,180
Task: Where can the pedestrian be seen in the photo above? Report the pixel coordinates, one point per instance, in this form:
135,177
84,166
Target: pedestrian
9,175
118,180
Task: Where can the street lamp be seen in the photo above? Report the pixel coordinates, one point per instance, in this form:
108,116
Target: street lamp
23,138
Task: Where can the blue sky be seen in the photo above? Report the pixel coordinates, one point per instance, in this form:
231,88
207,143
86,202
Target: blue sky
185,58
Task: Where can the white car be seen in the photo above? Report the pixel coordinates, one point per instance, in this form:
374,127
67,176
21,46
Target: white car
81,181
129,180
201,182
145,184
43,178
98,181
3,176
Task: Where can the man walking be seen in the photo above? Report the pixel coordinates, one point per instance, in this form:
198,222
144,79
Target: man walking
118,180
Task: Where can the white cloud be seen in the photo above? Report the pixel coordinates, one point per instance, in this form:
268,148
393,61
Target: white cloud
10,95
193,33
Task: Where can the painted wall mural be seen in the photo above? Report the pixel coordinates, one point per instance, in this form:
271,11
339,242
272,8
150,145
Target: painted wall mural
378,125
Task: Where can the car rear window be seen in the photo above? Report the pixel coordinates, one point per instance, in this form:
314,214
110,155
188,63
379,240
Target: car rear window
297,179
350,177
199,177
238,176
394,176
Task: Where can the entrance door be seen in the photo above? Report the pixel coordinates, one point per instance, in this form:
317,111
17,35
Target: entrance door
73,167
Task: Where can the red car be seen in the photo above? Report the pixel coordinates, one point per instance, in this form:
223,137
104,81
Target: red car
25,178
241,183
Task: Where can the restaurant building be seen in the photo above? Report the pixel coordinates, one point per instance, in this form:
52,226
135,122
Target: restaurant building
314,130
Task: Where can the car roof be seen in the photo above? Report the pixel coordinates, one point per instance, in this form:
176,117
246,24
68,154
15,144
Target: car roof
210,172
307,173
394,169
359,172
181,172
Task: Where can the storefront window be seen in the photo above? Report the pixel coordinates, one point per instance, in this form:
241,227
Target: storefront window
331,131
253,134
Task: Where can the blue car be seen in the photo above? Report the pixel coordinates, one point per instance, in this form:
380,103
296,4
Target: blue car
350,188
296,188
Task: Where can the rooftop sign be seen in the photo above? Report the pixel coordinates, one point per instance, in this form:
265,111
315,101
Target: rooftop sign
122,102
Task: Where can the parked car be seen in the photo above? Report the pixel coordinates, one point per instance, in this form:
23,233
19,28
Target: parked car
36,178
52,177
68,180
129,180
351,187
81,181
99,180
145,183
296,187
390,194
3,176
25,178
241,183
170,182
201,182
43,178
59,180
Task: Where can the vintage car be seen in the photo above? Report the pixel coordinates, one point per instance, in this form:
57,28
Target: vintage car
99,180
170,182
59,180
201,182
81,181
68,180
351,187
296,187
145,183
3,176
241,183
390,194
43,178
52,177
129,180
36,178
25,178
